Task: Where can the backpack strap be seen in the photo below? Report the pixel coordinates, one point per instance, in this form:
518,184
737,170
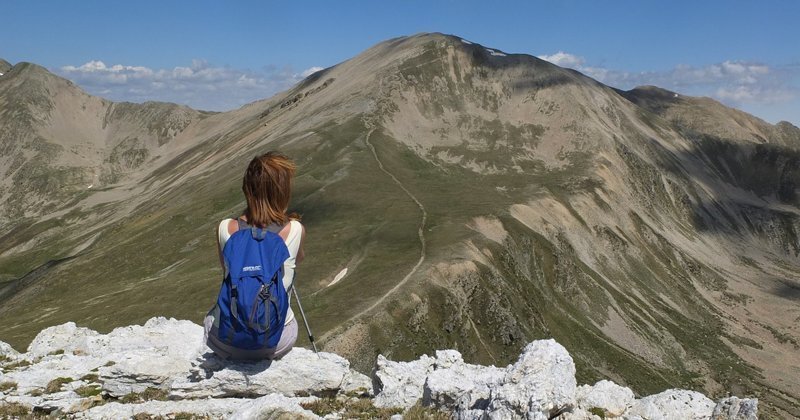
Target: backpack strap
259,233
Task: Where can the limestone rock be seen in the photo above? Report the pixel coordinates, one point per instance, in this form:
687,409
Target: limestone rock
64,338
213,408
301,371
400,384
272,407
613,399
355,383
455,385
540,384
139,370
170,355
8,352
733,408
672,404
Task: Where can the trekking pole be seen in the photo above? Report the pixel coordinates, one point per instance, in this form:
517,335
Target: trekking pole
305,321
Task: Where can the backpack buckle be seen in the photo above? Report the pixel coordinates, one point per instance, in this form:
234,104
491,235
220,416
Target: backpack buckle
263,293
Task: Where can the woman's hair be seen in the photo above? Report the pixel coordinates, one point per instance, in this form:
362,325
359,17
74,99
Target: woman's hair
267,187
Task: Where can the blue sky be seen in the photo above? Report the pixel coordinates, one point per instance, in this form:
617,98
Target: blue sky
221,55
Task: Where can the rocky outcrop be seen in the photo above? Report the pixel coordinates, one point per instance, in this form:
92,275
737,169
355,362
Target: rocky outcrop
163,369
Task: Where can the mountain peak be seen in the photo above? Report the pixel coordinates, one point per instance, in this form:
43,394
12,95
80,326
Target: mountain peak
5,66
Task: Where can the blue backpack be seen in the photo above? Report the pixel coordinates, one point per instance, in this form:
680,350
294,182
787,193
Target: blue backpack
252,301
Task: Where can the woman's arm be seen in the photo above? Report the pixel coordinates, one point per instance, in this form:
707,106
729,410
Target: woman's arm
219,253
300,253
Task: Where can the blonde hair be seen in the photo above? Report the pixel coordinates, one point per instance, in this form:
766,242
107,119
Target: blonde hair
267,187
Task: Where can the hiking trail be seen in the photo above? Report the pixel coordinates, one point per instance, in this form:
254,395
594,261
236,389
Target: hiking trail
420,233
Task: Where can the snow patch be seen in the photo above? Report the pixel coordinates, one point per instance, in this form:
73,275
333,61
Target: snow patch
495,53
466,42
338,277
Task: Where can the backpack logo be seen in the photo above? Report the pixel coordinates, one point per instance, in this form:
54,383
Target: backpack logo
252,268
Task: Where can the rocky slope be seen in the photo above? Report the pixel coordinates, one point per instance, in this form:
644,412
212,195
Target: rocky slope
163,369
57,142
479,200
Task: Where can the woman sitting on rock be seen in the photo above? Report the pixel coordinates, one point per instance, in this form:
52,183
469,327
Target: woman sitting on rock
244,324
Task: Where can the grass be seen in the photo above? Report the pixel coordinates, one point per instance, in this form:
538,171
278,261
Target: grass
418,412
13,410
91,377
88,391
148,394
597,411
360,408
7,386
56,384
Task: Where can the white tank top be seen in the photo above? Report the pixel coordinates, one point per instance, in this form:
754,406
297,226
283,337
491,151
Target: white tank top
292,243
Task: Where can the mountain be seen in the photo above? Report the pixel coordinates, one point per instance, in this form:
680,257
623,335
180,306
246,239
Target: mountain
478,200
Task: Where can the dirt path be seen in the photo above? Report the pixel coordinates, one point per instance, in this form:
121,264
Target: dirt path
420,233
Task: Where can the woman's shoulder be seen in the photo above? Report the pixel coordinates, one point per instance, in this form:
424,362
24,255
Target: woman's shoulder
296,228
223,228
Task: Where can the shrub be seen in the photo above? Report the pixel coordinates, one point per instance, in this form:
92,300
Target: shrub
146,395
599,412
88,391
419,412
55,384
91,377
7,386
13,410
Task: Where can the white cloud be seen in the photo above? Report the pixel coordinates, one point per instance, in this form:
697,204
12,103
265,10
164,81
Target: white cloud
309,71
732,82
199,85
564,59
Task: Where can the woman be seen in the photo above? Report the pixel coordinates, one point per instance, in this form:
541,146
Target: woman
267,188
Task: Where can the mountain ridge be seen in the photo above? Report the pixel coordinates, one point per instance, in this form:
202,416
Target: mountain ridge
556,207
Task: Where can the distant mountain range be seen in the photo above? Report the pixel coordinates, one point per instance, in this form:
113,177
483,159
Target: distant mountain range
478,200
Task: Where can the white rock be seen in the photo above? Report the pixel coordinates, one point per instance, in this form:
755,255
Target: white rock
214,408
539,384
672,404
613,399
40,373
300,371
8,352
733,408
152,355
65,402
65,337
356,383
580,414
272,407
455,385
139,370
401,383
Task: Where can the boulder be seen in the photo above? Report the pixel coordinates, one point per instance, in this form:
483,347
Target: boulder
613,399
216,408
457,386
7,352
672,404
300,372
356,384
400,384
64,338
539,385
733,408
273,406
138,370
